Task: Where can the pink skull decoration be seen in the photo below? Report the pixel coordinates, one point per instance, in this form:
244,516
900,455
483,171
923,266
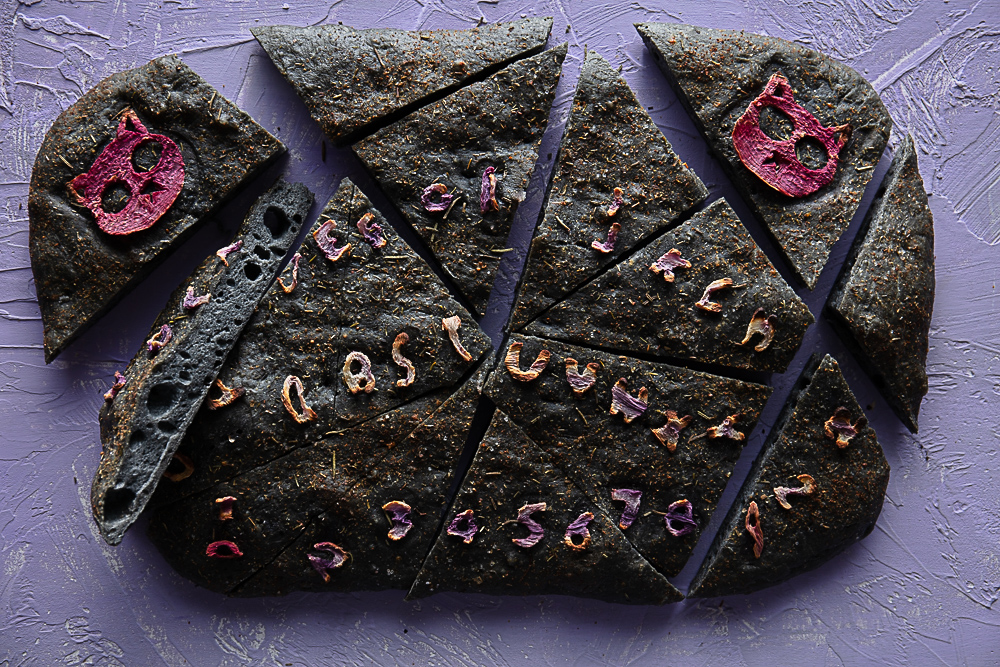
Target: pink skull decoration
151,193
775,161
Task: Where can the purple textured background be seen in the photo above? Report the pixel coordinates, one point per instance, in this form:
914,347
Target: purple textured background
920,590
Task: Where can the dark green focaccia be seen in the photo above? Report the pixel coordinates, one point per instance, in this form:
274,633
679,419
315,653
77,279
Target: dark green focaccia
417,469
610,142
718,73
508,472
600,452
359,303
143,425
849,490
497,123
80,271
356,81
882,302
630,308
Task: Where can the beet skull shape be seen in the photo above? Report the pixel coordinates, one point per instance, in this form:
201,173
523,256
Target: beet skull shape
151,193
775,161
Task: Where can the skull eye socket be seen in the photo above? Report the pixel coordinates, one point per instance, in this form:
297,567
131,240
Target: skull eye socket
146,155
115,196
776,123
811,153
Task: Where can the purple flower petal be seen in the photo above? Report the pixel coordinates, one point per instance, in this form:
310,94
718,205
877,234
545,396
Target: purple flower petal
191,301
411,373
296,258
160,339
371,231
726,429
763,325
669,433
839,426
306,414
578,382
807,488
223,549
609,245
120,382
669,261
488,191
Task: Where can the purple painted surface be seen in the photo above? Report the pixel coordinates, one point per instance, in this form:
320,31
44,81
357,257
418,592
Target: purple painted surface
920,590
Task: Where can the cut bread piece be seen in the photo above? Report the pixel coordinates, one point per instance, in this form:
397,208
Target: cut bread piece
816,487
882,301
123,177
565,544
611,422
813,127
357,81
457,169
144,421
613,166
754,321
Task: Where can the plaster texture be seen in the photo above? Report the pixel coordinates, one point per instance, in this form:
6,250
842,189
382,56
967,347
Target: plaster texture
922,589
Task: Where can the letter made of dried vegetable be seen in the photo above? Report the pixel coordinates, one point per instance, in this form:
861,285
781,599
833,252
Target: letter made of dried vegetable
228,395
631,498
775,161
305,413
466,519
223,549
609,245
680,512
120,382
223,253
670,433
225,507
443,202
354,380
752,524
287,289
191,301
581,382
617,201
327,243
669,261
579,528
760,324
623,402
411,373
726,429
160,339
807,488
187,468
535,530
705,303
451,325
151,192
371,231
488,192
839,427
331,558
513,363
398,514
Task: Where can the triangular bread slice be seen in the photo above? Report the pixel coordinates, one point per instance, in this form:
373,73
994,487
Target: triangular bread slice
759,324
702,420
508,473
718,73
610,142
882,301
480,144
80,271
816,487
356,81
